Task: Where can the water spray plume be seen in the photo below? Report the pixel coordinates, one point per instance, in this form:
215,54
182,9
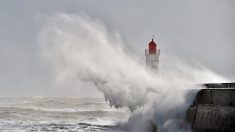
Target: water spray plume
81,47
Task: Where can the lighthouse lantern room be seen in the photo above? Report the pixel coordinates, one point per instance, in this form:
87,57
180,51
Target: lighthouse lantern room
152,54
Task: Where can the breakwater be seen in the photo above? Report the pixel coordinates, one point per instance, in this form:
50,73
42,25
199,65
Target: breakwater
213,109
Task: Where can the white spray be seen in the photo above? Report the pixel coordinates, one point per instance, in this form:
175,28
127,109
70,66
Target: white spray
81,47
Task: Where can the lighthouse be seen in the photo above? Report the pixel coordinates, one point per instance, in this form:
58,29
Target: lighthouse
152,54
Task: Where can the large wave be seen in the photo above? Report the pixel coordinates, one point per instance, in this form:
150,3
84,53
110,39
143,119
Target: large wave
82,48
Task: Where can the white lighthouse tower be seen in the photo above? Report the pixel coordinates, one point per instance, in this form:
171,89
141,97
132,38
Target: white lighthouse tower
152,54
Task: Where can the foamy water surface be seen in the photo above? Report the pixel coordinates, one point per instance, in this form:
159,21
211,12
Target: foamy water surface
59,114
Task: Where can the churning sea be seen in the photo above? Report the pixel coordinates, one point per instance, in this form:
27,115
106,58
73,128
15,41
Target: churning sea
60,114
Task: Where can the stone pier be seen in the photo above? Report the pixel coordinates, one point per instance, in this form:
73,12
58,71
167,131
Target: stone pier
213,109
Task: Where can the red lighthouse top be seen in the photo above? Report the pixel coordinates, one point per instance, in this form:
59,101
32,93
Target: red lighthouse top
152,47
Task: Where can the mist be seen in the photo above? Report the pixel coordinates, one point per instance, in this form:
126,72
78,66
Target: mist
80,48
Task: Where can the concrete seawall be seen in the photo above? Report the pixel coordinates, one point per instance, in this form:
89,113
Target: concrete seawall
213,109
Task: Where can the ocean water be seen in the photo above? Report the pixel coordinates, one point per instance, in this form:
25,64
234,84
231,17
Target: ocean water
59,114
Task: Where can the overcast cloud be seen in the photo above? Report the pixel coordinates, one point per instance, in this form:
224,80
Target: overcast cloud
203,30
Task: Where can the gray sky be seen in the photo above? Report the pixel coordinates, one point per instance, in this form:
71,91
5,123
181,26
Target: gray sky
199,29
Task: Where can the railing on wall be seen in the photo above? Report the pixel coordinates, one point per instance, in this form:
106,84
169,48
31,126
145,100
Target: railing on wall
220,85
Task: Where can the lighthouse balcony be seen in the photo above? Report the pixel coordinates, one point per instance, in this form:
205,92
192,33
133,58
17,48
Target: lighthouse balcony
147,52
